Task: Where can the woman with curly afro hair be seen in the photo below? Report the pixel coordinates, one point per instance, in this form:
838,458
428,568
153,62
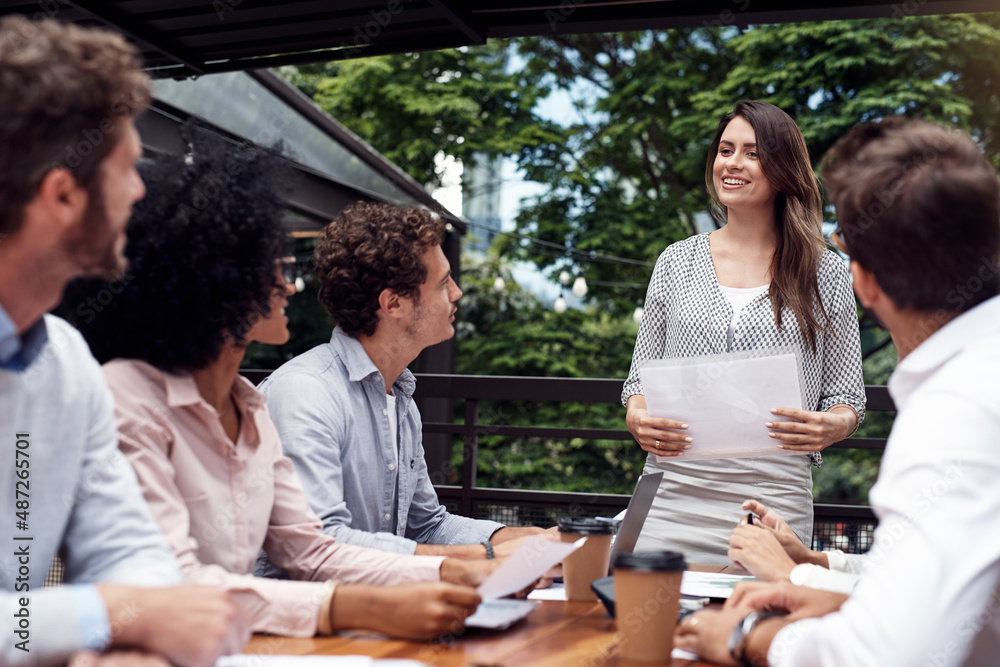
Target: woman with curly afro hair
205,280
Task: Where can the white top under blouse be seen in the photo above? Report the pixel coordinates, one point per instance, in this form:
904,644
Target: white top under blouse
739,298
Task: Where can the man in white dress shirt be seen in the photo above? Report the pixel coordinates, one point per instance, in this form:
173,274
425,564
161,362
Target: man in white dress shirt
917,206
68,148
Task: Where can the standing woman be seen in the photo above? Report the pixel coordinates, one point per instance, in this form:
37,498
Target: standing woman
764,280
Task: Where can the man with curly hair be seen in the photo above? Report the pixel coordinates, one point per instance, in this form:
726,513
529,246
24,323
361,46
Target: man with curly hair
68,148
344,410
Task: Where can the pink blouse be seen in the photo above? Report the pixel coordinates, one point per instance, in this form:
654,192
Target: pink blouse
218,503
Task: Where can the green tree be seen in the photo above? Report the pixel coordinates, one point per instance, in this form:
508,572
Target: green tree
631,177
509,332
411,107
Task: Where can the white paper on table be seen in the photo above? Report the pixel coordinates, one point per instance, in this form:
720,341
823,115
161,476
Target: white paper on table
526,565
254,660
725,400
711,584
553,592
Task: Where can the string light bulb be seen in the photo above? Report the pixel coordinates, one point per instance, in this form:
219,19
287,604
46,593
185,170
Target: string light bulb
300,284
560,305
499,284
638,312
580,286
564,277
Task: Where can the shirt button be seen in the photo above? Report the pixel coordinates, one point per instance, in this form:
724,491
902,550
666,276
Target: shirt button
392,466
385,412
387,517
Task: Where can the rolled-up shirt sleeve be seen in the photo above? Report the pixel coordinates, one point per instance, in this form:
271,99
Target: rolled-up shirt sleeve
842,379
429,523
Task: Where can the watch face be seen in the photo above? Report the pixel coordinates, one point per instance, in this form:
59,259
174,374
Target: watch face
739,634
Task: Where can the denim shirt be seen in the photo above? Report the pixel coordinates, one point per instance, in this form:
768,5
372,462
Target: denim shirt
331,411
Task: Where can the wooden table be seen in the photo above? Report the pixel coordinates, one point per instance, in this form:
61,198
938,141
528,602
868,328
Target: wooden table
556,634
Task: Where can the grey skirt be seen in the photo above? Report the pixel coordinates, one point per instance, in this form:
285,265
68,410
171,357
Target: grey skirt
699,503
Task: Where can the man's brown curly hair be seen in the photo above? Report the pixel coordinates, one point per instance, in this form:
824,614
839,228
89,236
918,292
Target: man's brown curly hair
64,93
369,248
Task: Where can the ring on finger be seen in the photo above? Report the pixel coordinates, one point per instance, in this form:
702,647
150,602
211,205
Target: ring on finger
657,443
692,621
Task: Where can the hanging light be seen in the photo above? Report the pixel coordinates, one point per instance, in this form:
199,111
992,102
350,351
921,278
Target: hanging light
300,283
499,284
560,305
580,285
564,277
637,313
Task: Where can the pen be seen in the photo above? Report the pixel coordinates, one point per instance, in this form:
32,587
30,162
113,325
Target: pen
750,518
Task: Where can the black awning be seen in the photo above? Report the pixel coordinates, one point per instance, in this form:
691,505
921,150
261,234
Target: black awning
188,37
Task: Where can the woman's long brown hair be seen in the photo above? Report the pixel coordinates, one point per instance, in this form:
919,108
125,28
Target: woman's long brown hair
784,159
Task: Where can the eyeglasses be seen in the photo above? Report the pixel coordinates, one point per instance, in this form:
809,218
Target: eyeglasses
289,270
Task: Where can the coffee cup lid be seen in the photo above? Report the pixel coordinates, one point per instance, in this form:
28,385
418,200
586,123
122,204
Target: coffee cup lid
650,561
584,526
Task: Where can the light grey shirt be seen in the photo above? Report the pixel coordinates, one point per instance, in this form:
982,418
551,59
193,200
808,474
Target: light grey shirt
330,408
78,498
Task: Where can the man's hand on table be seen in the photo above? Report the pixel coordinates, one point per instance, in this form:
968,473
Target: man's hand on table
800,602
509,546
707,632
190,625
414,611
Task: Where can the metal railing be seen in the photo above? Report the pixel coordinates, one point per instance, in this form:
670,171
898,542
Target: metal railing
842,526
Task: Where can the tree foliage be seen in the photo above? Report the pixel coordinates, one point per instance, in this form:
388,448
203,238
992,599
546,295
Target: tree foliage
626,178
632,175
509,332
411,107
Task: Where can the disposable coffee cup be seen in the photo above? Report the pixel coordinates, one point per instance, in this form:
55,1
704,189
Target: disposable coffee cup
590,561
647,598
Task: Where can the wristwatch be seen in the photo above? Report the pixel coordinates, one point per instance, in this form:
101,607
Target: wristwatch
489,549
738,639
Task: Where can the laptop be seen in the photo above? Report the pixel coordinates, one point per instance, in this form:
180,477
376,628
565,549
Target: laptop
635,516
500,614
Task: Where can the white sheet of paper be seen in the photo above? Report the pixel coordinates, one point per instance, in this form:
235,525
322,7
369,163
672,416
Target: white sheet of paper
725,400
710,584
524,566
553,592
